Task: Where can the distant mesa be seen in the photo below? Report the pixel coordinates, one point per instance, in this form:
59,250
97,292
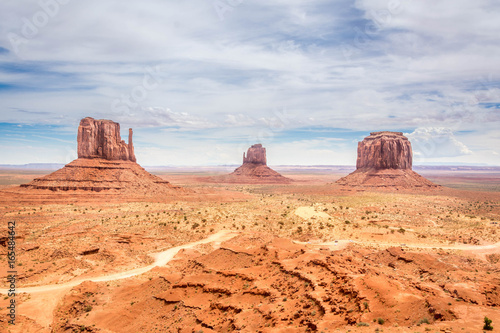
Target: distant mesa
105,162
256,154
385,161
254,170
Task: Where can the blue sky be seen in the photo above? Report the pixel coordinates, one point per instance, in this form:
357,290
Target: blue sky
202,80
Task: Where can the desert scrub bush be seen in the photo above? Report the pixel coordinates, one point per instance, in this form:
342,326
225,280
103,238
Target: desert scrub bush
362,324
423,321
487,324
381,321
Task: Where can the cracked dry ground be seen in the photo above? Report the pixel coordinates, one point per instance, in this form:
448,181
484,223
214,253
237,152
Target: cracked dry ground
258,283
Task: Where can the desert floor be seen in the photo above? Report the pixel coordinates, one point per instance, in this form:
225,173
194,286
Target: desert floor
307,256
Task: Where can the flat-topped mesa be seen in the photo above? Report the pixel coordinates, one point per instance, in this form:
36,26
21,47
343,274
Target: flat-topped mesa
385,162
101,139
256,154
384,150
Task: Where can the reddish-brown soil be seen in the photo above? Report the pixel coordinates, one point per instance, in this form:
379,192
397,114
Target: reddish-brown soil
259,283
309,256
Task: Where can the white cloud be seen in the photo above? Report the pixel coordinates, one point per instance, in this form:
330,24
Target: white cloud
322,151
426,64
435,142
160,116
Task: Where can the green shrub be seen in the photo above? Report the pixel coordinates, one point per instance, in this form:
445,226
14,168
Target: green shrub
423,321
487,324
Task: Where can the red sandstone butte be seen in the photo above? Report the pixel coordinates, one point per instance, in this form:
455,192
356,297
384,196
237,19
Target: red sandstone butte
101,139
105,162
253,170
256,154
384,150
385,161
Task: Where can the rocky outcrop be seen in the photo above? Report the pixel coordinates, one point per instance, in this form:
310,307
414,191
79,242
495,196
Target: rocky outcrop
384,150
105,163
254,170
256,154
385,162
259,283
101,139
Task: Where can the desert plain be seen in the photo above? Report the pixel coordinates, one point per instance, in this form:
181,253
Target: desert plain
308,256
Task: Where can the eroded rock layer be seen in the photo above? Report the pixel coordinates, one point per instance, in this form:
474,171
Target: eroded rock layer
386,178
100,175
255,283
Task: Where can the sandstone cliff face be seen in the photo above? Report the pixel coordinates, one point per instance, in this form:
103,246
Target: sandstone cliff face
256,154
384,150
101,139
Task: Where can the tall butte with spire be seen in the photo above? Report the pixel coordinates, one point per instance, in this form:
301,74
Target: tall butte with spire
385,161
105,162
101,139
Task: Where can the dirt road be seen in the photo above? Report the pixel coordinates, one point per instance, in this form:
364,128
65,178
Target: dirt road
161,259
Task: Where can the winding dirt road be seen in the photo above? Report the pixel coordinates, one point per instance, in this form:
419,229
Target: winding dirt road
44,299
161,259
40,306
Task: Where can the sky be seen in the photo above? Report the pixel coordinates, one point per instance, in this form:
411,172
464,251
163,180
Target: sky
200,81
